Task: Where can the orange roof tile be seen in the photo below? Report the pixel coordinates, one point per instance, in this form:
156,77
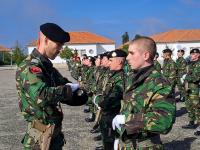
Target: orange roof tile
174,36
83,38
177,36
87,37
4,49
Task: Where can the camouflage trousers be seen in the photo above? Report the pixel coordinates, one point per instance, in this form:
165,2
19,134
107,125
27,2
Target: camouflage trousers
142,145
57,141
192,104
181,88
108,134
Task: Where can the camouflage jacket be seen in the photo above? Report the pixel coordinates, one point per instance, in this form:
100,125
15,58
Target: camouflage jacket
76,70
147,105
181,66
89,79
193,72
157,66
169,71
113,93
104,74
40,88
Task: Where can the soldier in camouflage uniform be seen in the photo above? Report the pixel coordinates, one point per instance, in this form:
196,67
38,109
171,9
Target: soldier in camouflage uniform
156,63
112,95
181,70
192,80
148,108
169,67
102,80
89,80
41,88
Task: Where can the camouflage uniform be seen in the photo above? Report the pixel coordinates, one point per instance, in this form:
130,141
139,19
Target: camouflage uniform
157,66
41,88
193,80
169,71
181,70
110,106
75,71
149,110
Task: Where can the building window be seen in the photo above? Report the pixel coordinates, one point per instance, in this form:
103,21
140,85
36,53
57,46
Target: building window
83,51
91,51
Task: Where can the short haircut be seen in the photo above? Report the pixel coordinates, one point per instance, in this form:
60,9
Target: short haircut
145,43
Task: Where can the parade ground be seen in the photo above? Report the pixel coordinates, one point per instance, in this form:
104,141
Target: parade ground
75,129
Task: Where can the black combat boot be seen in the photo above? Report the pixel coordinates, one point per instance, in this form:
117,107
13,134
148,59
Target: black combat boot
90,118
86,109
99,148
97,138
197,133
191,125
96,130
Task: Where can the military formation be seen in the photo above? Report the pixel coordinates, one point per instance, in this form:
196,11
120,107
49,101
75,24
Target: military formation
132,106
129,97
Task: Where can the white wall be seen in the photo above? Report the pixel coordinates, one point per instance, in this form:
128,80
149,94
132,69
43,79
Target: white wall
87,47
175,47
101,48
97,49
56,60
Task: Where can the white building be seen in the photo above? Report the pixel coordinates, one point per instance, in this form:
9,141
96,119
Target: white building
177,39
85,43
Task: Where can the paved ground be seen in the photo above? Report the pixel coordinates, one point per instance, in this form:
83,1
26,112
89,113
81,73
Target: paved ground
76,130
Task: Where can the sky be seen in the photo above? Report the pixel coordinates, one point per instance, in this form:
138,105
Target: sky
20,19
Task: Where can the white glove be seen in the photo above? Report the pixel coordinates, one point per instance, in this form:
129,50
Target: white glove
116,144
117,121
74,86
183,78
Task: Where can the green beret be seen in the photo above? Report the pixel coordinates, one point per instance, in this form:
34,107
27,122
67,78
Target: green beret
117,53
195,50
55,33
167,50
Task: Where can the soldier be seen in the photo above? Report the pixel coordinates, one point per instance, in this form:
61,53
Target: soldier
156,63
147,109
112,95
102,80
41,89
169,67
181,70
192,80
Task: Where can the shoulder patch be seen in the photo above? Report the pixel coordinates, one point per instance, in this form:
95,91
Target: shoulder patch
35,70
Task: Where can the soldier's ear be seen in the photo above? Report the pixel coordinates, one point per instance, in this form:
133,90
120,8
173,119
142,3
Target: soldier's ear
146,55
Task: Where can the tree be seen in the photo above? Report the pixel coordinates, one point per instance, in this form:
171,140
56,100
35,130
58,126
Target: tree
18,55
66,53
125,37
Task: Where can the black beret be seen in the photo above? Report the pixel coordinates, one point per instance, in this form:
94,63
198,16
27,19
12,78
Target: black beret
117,53
195,50
54,33
181,50
92,59
106,54
167,50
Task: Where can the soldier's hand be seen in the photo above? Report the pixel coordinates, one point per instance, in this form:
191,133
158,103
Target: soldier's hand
117,121
74,86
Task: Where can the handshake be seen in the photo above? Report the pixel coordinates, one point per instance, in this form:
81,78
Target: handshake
74,86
